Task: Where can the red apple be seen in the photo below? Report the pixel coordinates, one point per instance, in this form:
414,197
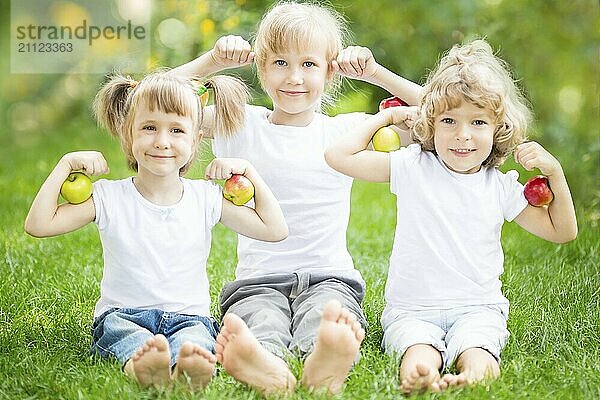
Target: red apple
238,189
391,102
537,191
386,139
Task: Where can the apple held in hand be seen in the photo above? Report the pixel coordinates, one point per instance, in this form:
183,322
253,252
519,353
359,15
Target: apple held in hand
238,189
386,139
391,102
77,188
537,191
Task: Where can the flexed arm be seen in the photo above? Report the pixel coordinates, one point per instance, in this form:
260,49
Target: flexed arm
351,157
556,222
265,221
357,62
46,217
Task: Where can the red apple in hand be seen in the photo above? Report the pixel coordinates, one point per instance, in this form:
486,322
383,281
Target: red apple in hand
77,188
537,191
238,189
391,102
386,139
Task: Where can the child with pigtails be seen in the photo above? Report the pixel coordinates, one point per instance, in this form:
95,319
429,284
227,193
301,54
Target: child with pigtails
155,226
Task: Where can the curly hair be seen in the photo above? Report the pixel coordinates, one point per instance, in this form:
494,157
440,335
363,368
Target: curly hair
472,73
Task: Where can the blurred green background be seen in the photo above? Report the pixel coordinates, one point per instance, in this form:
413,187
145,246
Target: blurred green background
553,47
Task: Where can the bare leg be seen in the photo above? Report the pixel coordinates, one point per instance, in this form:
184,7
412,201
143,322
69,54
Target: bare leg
419,370
474,365
336,348
244,358
150,365
196,363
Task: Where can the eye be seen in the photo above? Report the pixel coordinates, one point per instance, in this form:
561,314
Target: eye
480,122
148,128
447,120
280,63
308,64
178,131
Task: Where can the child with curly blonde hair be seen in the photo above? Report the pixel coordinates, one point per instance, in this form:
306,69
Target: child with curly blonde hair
444,304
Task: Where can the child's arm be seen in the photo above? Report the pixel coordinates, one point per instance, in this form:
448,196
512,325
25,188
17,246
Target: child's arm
228,52
357,62
557,222
351,156
265,221
46,217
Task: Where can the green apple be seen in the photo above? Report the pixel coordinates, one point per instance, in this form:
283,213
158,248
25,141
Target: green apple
238,189
386,139
77,188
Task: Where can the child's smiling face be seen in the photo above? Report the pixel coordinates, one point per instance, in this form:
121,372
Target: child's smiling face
464,137
295,81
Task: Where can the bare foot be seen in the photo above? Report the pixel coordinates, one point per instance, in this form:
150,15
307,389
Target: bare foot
196,363
336,348
455,380
150,365
421,379
244,358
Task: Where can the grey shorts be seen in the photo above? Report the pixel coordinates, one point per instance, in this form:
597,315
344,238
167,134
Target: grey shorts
283,311
450,331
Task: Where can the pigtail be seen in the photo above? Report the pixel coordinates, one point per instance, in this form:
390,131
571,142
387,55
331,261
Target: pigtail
111,103
230,98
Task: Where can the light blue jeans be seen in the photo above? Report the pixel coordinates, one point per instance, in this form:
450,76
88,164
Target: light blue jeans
120,332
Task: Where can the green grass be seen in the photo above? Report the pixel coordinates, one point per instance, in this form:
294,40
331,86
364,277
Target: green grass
49,287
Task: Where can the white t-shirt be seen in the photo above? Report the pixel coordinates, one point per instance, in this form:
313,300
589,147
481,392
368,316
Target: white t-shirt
155,256
447,250
315,199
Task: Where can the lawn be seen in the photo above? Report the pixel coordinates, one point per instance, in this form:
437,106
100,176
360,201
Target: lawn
49,287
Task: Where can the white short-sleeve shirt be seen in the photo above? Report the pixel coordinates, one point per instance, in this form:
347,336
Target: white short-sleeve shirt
155,256
314,198
447,249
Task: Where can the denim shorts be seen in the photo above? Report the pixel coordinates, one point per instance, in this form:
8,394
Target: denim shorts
119,332
283,311
450,331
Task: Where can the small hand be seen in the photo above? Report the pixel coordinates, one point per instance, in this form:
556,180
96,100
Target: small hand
403,117
532,155
232,51
224,168
355,62
90,162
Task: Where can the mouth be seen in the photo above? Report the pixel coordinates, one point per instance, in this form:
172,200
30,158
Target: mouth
160,157
293,93
462,152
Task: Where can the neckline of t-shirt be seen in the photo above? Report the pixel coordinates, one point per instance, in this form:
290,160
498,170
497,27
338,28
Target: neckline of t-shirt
466,178
154,206
289,128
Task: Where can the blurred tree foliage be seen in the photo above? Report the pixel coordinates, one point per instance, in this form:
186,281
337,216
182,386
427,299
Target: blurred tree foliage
553,47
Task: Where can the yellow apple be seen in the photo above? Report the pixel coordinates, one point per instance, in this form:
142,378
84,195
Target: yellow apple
238,189
386,139
77,188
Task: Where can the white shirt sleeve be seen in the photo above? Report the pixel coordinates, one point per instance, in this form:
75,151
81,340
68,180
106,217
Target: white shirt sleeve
101,203
400,161
512,199
214,203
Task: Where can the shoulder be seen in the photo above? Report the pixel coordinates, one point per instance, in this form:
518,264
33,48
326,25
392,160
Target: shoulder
412,153
202,188
346,119
110,186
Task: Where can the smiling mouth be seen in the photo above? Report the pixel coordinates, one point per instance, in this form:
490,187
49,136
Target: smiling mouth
292,92
462,151
160,157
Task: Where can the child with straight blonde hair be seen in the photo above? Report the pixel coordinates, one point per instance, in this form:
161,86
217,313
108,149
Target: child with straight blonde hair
444,303
153,314
301,296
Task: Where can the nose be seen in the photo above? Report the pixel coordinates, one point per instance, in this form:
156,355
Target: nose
463,133
161,140
295,77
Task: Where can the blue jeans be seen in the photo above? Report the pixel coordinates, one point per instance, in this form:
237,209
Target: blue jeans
120,332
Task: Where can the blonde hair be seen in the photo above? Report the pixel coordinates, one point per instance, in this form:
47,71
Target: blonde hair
300,25
120,97
472,73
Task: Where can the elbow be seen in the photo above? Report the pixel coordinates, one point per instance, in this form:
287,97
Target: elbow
567,237
280,234
32,230
330,158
